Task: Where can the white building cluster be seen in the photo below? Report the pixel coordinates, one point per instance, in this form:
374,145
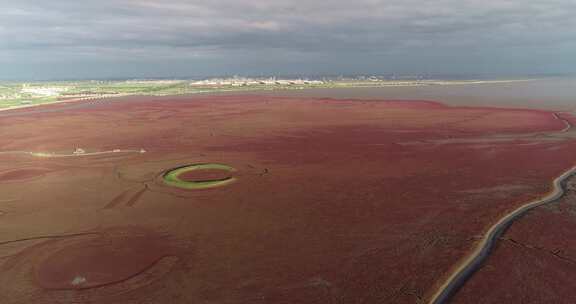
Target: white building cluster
4,96
242,81
43,91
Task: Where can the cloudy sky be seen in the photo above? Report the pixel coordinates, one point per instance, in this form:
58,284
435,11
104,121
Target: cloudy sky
41,39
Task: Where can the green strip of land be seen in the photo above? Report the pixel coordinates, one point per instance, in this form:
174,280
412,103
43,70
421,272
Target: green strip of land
172,178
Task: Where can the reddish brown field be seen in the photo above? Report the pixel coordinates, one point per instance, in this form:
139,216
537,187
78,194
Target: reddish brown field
336,201
16,175
99,260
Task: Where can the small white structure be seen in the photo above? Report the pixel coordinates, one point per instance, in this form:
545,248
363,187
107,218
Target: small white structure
79,151
78,280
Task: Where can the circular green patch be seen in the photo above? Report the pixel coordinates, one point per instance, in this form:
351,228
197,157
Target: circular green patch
172,177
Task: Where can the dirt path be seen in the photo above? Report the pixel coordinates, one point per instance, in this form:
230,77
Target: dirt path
566,122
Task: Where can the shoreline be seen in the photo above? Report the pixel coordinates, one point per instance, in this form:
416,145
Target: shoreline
343,85
53,103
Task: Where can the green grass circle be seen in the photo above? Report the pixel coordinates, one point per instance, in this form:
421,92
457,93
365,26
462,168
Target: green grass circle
171,177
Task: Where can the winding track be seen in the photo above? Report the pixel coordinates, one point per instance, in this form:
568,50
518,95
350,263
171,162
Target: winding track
565,121
482,251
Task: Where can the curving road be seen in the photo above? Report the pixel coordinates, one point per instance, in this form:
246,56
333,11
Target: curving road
473,262
567,123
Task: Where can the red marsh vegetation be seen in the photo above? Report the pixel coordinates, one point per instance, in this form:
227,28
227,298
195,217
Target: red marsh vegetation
336,201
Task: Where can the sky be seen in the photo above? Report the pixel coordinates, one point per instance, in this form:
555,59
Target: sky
68,39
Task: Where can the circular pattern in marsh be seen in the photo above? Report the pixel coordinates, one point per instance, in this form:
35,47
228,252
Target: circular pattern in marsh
113,256
200,176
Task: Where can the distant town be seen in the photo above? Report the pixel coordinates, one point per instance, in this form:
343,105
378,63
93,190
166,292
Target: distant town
22,94
242,81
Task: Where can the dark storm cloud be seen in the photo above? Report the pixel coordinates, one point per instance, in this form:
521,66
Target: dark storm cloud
260,35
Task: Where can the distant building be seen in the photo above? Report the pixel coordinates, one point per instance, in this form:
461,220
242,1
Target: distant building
43,91
79,151
241,82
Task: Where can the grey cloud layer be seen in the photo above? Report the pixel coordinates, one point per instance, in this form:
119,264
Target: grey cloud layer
152,29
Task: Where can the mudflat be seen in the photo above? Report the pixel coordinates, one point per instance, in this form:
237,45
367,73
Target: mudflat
334,200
